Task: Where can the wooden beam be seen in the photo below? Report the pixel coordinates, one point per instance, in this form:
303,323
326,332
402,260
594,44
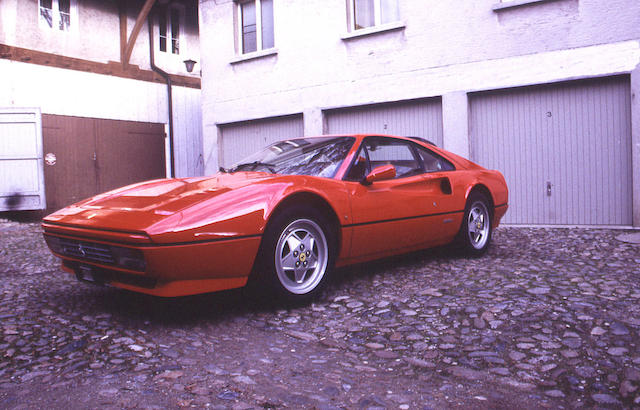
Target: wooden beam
140,20
122,11
112,68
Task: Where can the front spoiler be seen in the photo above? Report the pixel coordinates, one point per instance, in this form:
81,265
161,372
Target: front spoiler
173,270
161,289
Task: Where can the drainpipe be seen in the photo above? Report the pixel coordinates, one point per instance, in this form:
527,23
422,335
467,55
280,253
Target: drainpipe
167,78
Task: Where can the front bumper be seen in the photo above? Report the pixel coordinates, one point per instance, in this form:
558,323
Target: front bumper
132,261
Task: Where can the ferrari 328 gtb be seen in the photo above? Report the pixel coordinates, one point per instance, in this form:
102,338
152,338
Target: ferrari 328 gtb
282,218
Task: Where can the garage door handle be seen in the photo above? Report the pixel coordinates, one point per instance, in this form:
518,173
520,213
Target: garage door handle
548,188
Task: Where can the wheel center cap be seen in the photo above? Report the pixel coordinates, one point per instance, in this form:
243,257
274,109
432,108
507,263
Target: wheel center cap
302,257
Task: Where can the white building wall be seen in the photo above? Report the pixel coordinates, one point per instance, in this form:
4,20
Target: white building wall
530,69
95,34
312,54
439,49
187,128
82,94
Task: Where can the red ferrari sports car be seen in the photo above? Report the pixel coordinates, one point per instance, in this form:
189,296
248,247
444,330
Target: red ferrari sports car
283,217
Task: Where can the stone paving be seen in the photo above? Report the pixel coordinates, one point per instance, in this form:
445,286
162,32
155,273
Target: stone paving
548,318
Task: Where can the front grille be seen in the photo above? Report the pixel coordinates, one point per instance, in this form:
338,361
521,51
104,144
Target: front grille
86,250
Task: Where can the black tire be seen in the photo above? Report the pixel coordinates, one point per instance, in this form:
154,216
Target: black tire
475,232
296,255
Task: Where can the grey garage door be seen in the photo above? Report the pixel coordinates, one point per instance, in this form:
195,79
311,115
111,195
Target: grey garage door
241,139
565,150
422,118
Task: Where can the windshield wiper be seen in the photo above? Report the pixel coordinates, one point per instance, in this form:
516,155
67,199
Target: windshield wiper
254,165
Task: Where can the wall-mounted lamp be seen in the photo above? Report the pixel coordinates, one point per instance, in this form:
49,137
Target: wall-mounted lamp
189,65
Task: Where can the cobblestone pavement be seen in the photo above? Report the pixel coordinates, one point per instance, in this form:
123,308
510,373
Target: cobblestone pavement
548,318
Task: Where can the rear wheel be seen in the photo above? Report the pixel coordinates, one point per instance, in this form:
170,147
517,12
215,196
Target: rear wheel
296,256
475,232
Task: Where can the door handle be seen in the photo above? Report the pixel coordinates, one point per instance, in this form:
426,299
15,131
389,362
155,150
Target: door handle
548,188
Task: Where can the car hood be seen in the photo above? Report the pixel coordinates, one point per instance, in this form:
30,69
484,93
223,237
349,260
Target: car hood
171,205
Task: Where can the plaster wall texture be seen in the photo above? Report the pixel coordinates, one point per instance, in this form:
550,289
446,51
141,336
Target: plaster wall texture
441,49
94,34
75,93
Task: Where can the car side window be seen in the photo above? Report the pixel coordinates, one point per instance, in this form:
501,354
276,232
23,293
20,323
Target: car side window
383,151
360,167
433,162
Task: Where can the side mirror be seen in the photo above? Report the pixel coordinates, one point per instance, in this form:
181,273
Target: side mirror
380,174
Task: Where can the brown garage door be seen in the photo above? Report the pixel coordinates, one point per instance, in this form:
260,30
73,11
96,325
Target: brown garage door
86,156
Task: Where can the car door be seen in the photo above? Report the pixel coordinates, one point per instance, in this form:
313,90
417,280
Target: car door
440,176
395,214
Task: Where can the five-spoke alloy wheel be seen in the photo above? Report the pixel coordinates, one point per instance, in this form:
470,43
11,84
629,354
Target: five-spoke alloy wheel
478,225
301,256
296,255
475,232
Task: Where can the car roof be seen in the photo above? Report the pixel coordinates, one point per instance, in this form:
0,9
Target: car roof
361,136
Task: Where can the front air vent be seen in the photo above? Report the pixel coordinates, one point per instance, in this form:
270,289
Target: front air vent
91,251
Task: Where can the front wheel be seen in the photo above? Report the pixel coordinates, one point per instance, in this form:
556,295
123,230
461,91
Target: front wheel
301,256
296,256
475,232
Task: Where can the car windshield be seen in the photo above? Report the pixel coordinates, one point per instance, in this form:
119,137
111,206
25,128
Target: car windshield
320,156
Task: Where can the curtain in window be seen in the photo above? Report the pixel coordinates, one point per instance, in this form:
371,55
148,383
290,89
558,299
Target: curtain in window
249,33
267,24
64,8
162,27
364,13
46,12
175,31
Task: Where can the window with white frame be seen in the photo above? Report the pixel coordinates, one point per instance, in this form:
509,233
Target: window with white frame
369,13
57,14
170,28
255,25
